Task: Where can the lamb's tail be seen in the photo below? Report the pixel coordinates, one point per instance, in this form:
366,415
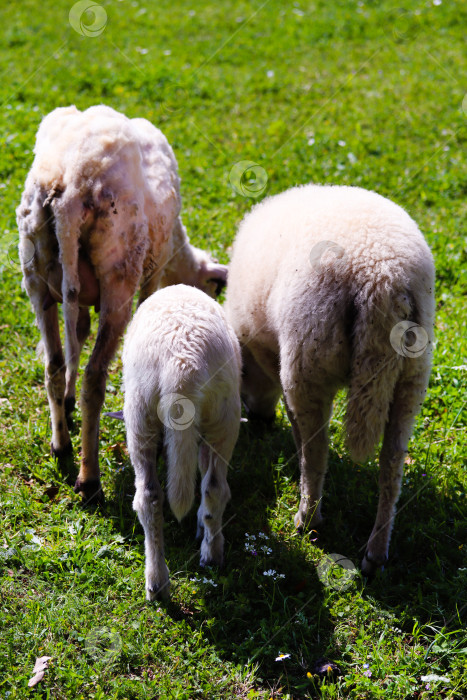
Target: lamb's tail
181,446
376,365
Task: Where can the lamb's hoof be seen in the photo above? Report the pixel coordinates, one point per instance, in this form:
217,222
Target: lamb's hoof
158,592
371,564
303,524
216,560
90,491
70,403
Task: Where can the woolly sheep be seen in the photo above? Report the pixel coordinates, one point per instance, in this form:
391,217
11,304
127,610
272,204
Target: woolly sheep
99,217
181,374
332,287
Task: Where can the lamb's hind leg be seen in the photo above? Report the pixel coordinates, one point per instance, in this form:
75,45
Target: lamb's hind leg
116,298
148,502
408,395
215,493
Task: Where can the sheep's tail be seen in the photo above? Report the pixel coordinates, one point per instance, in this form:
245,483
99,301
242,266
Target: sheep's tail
182,459
67,217
374,370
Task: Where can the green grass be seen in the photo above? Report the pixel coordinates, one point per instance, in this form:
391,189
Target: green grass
363,93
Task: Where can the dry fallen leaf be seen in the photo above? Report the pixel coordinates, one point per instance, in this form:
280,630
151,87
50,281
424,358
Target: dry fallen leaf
39,669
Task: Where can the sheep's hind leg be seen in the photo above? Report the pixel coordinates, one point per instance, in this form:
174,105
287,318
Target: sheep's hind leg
309,410
215,494
82,332
116,298
408,394
55,369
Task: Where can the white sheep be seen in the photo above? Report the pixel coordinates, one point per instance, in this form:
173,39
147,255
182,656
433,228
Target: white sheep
99,218
332,287
181,374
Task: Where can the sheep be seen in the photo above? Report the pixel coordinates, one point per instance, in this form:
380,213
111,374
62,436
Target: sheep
332,286
99,217
181,378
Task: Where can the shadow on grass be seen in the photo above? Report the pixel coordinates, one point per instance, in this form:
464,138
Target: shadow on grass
250,617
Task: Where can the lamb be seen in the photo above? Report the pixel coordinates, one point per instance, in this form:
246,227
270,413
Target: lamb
181,375
332,287
99,217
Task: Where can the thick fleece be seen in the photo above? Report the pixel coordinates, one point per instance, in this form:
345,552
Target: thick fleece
181,370
332,287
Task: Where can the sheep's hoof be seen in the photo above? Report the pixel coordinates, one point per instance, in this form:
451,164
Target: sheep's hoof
371,564
90,491
158,592
211,561
212,554
70,403
301,523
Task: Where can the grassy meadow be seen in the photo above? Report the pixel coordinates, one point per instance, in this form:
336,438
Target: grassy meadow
333,91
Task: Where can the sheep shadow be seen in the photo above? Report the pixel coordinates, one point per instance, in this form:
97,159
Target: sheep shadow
252,615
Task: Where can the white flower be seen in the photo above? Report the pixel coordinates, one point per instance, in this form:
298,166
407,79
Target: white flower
270,74
341,143
433,677
273,574
282,657
204,580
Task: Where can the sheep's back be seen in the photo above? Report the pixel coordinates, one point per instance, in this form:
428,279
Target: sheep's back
305,256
